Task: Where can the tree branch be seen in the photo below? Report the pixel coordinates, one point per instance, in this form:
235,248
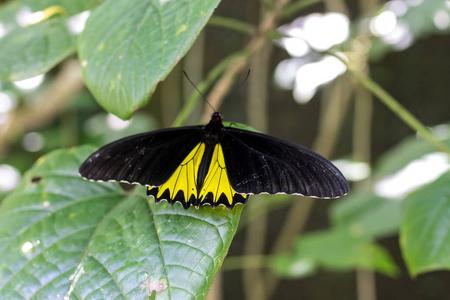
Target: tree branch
47,105
224,84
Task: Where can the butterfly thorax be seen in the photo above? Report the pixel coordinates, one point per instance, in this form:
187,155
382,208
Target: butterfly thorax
212,129
210,138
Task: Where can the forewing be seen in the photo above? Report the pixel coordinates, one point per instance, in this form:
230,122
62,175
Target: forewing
258,163
148,158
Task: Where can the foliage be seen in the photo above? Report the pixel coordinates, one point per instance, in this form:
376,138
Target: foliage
336,250
424,234
62,235
365,215
124,56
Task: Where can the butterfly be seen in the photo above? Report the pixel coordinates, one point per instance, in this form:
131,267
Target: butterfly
214,164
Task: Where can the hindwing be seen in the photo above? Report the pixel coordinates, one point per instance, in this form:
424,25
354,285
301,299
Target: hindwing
258,163
184,185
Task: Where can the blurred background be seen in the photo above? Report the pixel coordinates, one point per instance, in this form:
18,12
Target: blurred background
299,93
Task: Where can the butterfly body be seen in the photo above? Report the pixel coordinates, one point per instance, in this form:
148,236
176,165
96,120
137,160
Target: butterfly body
214,164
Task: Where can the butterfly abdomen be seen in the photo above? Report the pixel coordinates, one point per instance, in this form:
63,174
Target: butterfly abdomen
204,165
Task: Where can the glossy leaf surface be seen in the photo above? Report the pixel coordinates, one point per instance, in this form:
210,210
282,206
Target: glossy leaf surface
336,250
29,51
127,47
425,232
61,236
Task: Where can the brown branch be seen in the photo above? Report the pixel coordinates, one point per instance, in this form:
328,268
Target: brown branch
46,106
257,106
257,46
331,121
258,40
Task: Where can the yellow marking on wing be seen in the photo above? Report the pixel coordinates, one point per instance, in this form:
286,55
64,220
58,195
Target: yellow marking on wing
185,176
216,180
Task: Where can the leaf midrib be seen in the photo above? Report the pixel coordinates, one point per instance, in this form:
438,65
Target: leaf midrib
160,249
84,253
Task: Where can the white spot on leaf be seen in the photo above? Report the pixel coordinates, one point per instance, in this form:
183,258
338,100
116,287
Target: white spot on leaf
74,278
26,247
150,286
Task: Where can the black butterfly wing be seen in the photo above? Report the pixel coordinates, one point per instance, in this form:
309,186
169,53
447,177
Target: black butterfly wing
258,163
148,158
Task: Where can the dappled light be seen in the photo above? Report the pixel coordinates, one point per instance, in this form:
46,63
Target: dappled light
312,75
25,16
116,123
9,177
329,175
416,174
7,102
353,170
442,19
2,30
31,83
304,37
76,23
383,24
33,142
400,37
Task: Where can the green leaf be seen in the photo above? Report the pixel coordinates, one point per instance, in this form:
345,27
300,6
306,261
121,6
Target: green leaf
425,232
29,51
71,7
99,131
336,250
46,223
239,126
8,15
127,47
406,151
368,214
63,236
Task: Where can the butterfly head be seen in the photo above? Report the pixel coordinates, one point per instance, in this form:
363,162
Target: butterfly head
216,117
213,128
216,121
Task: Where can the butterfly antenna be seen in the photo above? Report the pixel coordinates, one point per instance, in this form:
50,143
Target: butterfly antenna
203,96
237,88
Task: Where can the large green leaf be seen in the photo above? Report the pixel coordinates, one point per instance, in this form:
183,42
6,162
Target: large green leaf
372,215
368,214
29,51
8,15
337,250
408,150
26,51
71,7
425,232
127,47
63,236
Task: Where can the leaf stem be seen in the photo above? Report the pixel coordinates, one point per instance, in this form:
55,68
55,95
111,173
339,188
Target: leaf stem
47,13
396,107
203,86
223,85
231,23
